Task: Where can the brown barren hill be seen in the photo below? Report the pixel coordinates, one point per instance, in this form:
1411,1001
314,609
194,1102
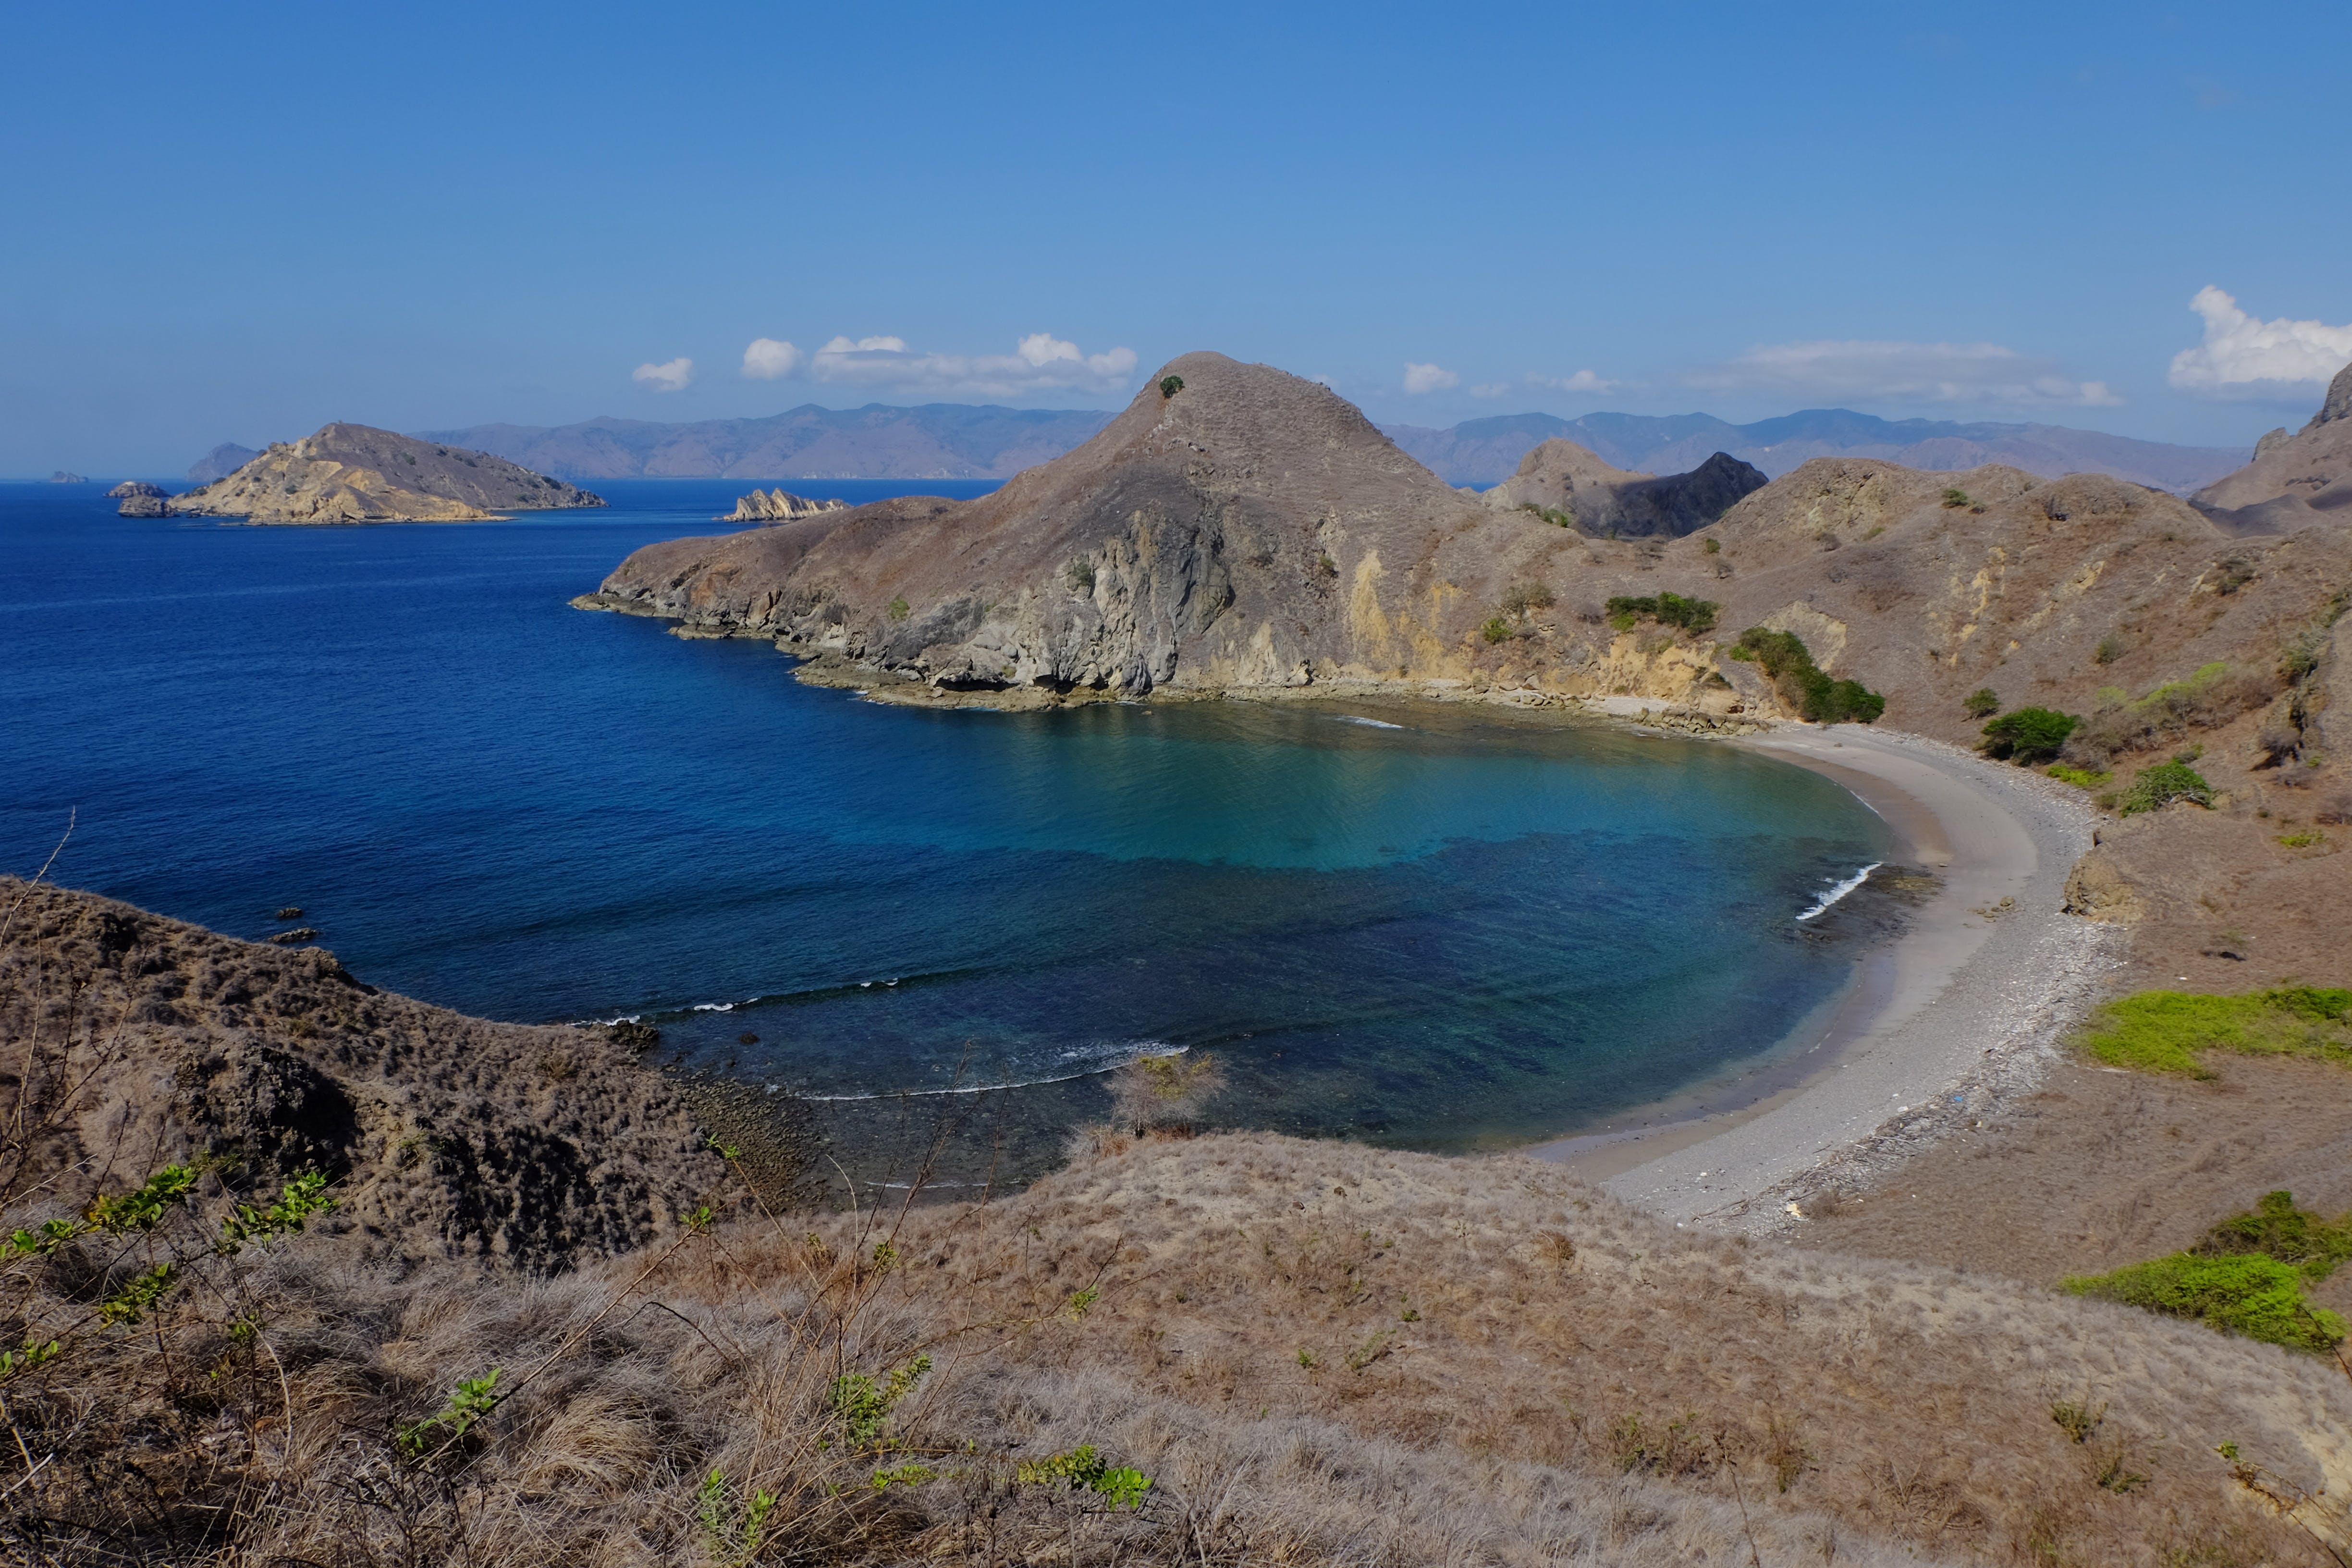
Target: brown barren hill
446,1137
2293,481
355,473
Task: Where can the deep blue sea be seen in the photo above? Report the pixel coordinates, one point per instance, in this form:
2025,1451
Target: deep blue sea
1425,925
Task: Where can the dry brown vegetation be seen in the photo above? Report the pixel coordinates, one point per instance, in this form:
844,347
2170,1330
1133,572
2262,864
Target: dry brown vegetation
1316,1352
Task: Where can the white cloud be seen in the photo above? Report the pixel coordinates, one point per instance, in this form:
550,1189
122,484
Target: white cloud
1583,381
1039,362
670,377
768,358
1932,373
1419,378
2240,352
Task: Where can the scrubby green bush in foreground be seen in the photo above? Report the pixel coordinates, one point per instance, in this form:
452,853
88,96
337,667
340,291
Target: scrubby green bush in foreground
2248,1294
2162,1031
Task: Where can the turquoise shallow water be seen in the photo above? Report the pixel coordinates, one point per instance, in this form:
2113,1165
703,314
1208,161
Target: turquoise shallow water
1430,926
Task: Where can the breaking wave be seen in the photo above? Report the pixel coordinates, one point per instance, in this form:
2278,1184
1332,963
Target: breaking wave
1840,890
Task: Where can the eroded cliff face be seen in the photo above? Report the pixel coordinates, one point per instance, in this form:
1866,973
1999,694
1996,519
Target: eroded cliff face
1253,531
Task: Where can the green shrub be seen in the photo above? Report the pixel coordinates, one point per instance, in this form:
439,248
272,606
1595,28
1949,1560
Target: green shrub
2163,1031
1695,616
2081,778
899,611
1981,704
1496,630
2028,735
1955,497
1804,686
2110,648
2215,694
1715,547
2160,786
1170,385
1080,577
2246,1294
2275,1227
1559,517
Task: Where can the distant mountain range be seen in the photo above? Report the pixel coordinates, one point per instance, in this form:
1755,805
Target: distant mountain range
963,441
1487,451
935,441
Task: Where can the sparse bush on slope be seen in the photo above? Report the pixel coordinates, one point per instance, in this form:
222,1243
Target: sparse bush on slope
2215,694
1784,657
2028,735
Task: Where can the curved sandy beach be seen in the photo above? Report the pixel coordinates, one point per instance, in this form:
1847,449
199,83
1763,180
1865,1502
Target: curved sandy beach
1960,1011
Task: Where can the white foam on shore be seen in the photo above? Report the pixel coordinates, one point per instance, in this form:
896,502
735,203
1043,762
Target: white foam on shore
1372,723
1126,1053
1840,890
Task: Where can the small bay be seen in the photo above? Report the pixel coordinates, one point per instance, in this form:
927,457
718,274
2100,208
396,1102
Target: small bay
1432,925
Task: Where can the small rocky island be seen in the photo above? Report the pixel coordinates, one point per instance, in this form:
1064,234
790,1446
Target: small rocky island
780,505
355,473
140,498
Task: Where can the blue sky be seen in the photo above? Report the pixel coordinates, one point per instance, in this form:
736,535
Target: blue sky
236,222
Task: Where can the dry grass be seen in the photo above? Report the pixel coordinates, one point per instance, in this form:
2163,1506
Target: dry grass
1318,1352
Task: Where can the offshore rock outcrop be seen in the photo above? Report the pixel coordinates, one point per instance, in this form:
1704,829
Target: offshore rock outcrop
355,473
139,498
778,505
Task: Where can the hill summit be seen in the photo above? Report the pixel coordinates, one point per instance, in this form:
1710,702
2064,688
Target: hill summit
356,473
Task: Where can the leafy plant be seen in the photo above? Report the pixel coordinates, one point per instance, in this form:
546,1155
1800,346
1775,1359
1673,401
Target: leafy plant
2111,649
736,1531
1080,577
2076,1418
2277,1228
1558,517
2028,735
898,610
2081,778
1955,497
1981,704
1714,546
1082,1469
2160,786
475,1398
864,1406
1497,629
1170,385
2246,1294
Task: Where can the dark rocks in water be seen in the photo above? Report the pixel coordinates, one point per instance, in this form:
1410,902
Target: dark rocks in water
778,505
291,912
299,935
220,463
135,488
66,477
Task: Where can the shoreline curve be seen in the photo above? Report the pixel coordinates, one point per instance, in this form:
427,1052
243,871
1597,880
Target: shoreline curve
1960,1011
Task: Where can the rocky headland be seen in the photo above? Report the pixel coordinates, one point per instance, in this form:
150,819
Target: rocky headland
2296,480
355,473
1253,534
778,505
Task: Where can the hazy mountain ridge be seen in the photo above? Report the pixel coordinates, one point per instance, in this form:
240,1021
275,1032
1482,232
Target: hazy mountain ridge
932,441
1487,451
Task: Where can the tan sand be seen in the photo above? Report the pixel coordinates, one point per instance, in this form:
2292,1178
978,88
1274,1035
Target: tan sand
1960,1012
